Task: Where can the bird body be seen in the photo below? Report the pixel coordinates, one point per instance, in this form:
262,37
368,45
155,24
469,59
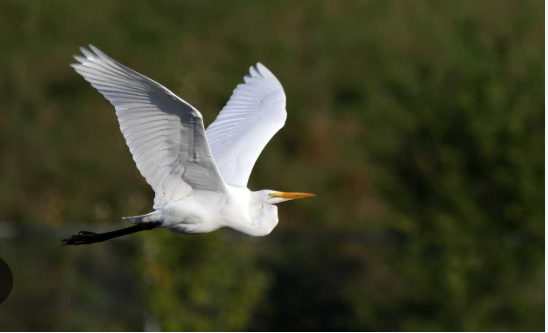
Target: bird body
199,176
206,211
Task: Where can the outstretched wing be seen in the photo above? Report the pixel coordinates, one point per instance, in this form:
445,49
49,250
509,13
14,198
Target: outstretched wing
165,134
254,113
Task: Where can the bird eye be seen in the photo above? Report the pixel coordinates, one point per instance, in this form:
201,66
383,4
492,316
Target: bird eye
270,195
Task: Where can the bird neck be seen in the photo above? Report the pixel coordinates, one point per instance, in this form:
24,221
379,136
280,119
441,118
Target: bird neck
263,219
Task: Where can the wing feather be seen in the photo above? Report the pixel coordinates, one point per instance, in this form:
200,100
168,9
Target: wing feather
165,134
254,113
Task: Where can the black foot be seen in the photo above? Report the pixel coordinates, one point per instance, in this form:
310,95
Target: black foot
83,237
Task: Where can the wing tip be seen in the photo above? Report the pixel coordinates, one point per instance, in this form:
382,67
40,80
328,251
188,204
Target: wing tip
94,49
259,70
89,55
95,53
102,54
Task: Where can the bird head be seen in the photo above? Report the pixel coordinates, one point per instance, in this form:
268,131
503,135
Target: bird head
271,197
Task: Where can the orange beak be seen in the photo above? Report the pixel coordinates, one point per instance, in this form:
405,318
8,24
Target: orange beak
293,195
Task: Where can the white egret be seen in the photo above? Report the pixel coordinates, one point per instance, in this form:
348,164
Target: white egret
199,176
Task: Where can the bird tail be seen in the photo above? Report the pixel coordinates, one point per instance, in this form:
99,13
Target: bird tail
150,217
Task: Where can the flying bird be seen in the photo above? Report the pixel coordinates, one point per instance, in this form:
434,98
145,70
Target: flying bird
199,176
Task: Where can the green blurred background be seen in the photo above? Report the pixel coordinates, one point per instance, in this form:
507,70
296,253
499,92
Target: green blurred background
419,124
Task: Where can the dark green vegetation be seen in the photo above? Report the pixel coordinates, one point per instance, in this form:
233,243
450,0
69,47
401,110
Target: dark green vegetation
419,124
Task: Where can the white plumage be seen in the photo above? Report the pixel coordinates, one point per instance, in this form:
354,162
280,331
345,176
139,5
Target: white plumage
254,113
199,177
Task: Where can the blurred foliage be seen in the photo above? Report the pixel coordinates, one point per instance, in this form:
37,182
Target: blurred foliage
419,124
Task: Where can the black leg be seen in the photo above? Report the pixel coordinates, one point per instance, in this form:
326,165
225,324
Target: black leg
88,237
